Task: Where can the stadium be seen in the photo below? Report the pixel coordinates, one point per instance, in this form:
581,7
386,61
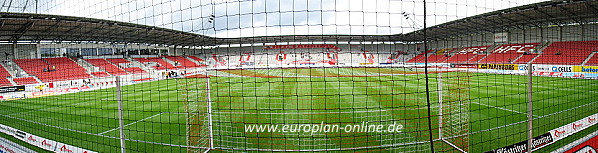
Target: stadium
298,76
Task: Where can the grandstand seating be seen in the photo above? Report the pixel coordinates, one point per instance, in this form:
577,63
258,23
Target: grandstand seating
525,58
593,60
464,55
432,58
508,53
100,74
118,61
567,52
107,66
66,69
162,64
25,80
135,70
4,82
419,57
196,58
183,61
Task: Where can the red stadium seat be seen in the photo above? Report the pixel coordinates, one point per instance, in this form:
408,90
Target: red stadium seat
100,74
567,52
466,54
106,66
65,69
162,64
508,53
183,61
4,82
25,80
196,58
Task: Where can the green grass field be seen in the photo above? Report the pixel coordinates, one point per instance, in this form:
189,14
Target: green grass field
155,113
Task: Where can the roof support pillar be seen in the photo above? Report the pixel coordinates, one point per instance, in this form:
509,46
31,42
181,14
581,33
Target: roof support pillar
583,32
14,49
174,51
560,33
38,51
542,35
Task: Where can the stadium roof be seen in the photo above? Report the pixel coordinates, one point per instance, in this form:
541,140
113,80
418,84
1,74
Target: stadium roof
543,14
41,27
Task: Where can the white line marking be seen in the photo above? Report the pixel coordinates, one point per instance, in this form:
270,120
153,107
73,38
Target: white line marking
62,106
130,123
503,109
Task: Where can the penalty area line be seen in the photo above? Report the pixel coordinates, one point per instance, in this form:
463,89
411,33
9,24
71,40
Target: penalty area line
510,110
130,123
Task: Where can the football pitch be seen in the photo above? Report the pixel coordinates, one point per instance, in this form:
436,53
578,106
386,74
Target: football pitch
156,113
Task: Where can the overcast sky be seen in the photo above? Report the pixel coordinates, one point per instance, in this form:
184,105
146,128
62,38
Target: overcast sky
244,18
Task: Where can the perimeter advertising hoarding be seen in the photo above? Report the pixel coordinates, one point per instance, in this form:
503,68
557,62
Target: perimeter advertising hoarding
588,146
548,68
7,146
574,127
586,69
521,147
41,142
499,66
551,137
12,89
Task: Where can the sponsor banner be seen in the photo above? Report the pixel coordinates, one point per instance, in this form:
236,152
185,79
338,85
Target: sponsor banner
41,142
36,87
57,91
473,66
497,71
521,147
7,130
12,89
586,69
572,128
499,66
7,146
66,84
13,97
548,68
560,68
552,74
501,37
581,75
588,146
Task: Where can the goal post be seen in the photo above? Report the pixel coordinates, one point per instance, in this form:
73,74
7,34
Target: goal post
453,109
198,111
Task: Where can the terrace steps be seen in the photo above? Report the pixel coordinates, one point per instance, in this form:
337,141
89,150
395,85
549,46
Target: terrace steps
140,65
11,81
588,59
87,66
8,69
192,60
